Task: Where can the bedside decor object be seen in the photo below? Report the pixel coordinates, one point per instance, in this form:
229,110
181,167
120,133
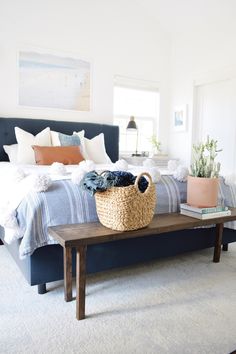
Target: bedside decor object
132,126
203,183
156,145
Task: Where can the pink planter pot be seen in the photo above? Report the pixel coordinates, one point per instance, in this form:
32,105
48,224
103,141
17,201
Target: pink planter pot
202,192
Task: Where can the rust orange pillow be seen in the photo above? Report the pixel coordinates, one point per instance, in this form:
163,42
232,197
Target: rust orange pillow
68,155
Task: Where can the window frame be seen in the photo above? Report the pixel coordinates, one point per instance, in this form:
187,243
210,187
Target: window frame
138,85
137,119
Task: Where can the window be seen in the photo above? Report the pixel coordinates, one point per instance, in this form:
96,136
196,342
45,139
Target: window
143,104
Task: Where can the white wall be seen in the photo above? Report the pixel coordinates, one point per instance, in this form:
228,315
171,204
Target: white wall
203,55
216,112
114,35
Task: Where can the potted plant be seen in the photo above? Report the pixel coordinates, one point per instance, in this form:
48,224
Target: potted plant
203,182
155,144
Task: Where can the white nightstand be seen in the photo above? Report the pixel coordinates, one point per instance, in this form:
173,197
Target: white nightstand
160,160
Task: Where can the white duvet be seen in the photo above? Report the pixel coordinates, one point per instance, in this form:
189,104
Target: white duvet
17,180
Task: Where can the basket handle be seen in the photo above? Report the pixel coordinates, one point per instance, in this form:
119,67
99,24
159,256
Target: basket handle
138,178
104,171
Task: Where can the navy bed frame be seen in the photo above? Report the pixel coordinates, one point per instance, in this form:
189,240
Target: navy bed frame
46,263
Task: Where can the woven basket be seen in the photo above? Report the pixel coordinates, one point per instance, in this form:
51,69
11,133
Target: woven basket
126,208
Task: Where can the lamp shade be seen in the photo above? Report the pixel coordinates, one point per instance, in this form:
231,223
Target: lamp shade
132,124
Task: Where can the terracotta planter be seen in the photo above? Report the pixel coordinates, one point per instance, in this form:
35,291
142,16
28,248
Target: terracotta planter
202,192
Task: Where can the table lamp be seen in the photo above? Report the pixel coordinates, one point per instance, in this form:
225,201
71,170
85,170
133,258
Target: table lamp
132,126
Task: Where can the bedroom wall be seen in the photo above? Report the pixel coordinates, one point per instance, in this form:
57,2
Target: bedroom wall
203,56
114,35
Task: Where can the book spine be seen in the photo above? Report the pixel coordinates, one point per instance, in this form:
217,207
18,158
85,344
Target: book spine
216,215
205,216
203,210
192,214
214,210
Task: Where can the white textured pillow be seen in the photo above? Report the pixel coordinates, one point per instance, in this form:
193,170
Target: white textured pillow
26,140
11,151
94,149
56,141
82,143
55,138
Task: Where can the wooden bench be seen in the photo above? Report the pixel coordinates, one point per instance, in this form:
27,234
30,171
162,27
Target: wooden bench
78,236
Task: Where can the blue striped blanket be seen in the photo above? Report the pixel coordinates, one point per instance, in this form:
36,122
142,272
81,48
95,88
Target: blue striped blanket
66,203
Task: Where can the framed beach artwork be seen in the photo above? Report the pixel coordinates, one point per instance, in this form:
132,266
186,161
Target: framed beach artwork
180,118
54,81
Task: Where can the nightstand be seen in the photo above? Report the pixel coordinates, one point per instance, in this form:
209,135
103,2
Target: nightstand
161,160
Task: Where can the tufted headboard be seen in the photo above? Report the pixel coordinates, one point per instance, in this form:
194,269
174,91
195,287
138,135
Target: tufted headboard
34,126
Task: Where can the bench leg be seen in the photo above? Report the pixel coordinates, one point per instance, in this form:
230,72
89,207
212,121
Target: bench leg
225,247
218,241
1,243
80,281
67,274
42,289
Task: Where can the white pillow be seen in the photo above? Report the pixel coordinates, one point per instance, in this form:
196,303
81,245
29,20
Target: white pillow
11,151
26,140
94,149
82,146
54,138
56,141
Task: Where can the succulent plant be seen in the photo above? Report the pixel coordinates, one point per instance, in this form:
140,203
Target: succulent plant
204,155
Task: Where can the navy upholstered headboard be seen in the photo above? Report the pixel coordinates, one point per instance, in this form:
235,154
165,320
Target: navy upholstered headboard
34,126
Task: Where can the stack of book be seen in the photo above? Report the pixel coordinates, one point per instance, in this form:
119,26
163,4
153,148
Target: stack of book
204,213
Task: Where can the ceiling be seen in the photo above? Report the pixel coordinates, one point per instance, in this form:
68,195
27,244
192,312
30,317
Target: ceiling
185,16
